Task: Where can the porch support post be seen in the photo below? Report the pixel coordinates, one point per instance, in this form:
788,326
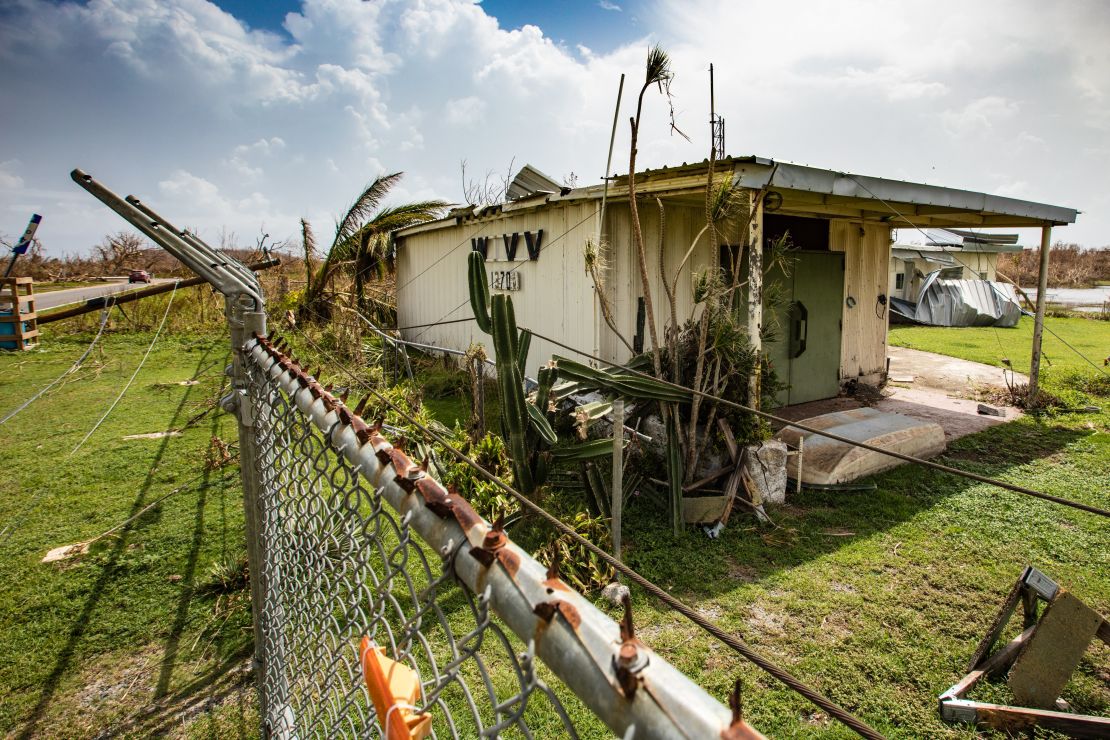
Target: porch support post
1038,322
755,291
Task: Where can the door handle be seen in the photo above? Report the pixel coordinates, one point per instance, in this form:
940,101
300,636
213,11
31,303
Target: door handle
801,328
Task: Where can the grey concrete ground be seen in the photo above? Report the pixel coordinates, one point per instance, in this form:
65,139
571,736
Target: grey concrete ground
939,392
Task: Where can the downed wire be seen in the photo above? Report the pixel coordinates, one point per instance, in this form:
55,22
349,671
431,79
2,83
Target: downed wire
157,334
72,369
839,438
736,643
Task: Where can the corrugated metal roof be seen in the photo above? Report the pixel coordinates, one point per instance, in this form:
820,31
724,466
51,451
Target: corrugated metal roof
530,181
877,198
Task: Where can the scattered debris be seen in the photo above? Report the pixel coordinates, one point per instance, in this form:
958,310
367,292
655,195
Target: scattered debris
218,454
1039,662
154,435
615,593
986,410
188,382
66,551
901,378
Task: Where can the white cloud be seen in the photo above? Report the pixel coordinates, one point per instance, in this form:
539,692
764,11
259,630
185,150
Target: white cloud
979,116
223,125
468,111
606,5
9,177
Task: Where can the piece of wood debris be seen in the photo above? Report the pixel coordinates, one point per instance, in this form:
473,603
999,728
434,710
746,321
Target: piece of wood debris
154,435
65,551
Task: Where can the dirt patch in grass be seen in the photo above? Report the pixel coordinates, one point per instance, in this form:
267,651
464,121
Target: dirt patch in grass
740,572
117,694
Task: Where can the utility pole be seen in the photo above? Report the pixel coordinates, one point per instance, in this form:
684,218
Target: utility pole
24,242
1038,321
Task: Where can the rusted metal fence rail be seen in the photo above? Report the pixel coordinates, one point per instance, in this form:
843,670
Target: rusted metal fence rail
357,539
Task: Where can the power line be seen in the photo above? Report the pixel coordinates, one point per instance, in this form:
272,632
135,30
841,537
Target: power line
72,369
446,254
133,375
14,522
837,437
736,643
435,323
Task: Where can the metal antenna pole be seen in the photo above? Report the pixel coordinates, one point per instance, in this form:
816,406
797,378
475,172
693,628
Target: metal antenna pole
604,201
712,118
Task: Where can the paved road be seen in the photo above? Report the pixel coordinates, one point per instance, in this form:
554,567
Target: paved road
79,295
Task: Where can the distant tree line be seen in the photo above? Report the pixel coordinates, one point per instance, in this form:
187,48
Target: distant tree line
1069,266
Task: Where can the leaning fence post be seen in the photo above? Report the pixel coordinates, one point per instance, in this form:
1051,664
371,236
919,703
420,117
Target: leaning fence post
244,322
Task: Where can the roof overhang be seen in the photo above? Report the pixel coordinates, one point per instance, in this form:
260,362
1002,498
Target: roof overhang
813,191
805,191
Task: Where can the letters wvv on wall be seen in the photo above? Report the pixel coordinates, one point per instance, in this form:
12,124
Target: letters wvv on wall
510,246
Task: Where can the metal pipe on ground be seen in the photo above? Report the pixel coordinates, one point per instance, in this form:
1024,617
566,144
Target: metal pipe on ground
95,304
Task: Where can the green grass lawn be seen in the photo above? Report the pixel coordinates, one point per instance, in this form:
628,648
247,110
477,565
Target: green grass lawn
876,598
123,639
989,345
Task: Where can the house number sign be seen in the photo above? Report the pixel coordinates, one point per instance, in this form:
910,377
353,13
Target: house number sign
504,280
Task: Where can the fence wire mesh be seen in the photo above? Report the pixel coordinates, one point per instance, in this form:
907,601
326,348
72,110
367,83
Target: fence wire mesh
338,564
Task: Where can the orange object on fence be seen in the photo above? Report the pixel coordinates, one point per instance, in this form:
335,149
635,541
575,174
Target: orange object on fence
393,687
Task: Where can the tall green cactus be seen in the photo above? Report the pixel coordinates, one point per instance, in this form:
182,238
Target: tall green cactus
524,425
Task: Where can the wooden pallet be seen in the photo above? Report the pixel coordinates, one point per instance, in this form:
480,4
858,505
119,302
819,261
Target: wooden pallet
19,328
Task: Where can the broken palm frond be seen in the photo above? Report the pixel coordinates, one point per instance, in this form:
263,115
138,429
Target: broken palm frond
308,242
621,384
362,242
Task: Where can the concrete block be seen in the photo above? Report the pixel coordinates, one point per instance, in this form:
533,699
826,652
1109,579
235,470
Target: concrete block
766,464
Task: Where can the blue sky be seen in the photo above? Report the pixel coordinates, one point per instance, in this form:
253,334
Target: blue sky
601,25
240,118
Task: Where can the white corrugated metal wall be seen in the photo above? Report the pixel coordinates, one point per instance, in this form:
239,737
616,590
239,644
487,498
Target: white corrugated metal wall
555,298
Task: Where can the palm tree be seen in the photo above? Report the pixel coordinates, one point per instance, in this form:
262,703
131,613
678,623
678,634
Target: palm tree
362,245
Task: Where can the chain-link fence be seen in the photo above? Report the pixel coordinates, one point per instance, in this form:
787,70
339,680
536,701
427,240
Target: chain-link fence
355,540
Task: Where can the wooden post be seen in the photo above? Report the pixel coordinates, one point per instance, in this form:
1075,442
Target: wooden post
480,394
1038,322
618,473
755,291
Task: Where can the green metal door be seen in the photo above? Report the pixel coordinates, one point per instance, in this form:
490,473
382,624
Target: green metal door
813,326
801,322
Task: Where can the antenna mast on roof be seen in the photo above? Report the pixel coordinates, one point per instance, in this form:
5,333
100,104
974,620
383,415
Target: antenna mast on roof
716,124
